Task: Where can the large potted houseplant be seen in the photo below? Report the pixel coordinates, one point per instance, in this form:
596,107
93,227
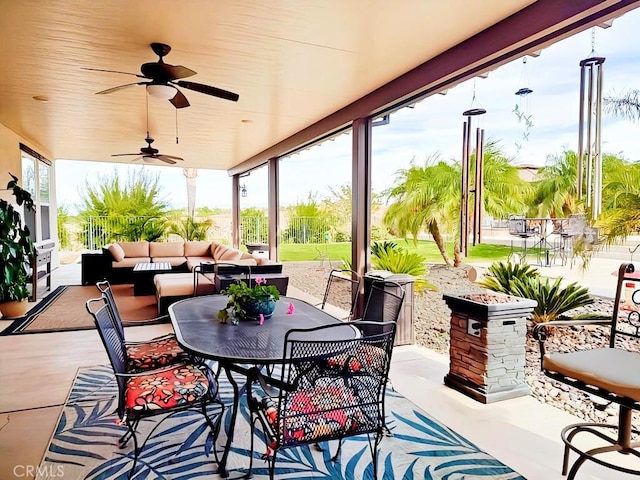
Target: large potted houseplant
16,251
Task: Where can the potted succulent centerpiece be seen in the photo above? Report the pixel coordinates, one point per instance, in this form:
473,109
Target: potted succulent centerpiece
16,251
249,303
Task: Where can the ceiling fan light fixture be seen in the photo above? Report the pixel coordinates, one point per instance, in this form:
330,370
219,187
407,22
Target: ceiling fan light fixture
165,92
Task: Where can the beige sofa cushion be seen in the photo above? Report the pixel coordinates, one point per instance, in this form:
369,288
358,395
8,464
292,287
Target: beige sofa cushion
116,252
130,262
193,262
197,249
173,261
181,285
135,249
221,252
166,249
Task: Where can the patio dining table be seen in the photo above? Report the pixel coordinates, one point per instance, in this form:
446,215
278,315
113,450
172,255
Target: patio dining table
237,348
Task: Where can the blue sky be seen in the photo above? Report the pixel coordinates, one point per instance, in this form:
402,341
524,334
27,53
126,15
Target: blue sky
434,126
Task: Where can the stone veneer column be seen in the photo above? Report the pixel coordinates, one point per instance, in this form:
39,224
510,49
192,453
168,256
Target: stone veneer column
487,348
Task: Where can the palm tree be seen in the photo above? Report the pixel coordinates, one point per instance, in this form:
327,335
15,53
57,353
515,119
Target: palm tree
555,193
621,199
626,106
191,174
428,196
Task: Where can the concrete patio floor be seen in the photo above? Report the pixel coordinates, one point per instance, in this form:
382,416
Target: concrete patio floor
37,371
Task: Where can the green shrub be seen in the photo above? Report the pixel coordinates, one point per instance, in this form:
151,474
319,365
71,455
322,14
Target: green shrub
190,229
387,256
552,299
385,246
500,275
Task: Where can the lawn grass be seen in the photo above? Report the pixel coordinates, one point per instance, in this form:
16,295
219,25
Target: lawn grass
295,252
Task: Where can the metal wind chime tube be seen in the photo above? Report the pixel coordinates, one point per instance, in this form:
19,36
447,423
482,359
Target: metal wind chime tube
598,166
464,194
478,187
478,182
589,176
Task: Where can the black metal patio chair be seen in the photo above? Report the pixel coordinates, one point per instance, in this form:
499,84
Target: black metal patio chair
166,391
384,302
157,352
342,290
332,387
611,372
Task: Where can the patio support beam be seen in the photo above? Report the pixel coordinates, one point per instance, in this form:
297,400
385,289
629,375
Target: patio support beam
235,211
274,208
534,27
360,202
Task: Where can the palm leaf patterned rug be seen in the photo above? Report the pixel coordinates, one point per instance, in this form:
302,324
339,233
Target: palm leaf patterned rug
84,445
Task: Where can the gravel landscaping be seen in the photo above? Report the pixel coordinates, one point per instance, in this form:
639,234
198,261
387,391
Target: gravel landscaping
431,318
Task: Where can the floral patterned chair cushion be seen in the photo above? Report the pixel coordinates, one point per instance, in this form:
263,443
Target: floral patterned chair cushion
365,356
312,415
154,354
165,389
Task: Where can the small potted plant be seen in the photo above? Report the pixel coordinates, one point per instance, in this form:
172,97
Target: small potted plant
16,251
247,302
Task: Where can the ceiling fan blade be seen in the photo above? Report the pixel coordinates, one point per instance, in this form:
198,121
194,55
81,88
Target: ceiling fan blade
111,71
179,101
115,89
166,159
208,90
125,154
171,157
161,71
152,158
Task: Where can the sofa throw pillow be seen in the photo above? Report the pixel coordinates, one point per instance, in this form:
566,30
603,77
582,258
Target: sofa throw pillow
222,252
116,252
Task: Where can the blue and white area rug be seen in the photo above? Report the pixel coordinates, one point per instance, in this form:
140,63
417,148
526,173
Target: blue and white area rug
84,445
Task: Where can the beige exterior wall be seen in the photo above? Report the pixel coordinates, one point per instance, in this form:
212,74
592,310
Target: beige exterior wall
11,162
10,154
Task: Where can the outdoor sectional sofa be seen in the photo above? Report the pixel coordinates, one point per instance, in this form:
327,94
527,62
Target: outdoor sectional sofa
187,275
182,256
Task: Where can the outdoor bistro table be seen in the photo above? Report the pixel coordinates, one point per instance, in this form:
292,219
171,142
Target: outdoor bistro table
238,347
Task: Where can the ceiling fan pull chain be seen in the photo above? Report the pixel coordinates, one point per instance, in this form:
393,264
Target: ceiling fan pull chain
177,126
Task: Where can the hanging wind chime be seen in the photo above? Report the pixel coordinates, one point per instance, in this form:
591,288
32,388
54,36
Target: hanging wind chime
589,166
522,109
477,190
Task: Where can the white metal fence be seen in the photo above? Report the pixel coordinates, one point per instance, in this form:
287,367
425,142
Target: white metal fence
92,233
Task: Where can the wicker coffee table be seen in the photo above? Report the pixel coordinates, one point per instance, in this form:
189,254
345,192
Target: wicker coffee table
143,274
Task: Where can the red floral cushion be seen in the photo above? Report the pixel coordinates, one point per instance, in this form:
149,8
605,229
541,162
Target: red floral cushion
163,390
365,356
154,354
314,414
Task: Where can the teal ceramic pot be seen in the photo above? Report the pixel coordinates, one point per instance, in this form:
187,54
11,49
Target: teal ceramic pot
257,307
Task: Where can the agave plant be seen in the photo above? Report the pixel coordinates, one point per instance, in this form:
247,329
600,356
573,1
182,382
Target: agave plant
553,300
500,275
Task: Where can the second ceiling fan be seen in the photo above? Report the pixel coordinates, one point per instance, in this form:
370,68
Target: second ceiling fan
148,154
163,80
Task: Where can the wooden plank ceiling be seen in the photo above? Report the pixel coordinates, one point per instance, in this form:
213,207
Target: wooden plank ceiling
291,62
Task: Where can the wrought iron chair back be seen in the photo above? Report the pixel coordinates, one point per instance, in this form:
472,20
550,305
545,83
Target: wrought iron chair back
334,293
105,288
607,371
384,304
110,336
332,386
177,388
